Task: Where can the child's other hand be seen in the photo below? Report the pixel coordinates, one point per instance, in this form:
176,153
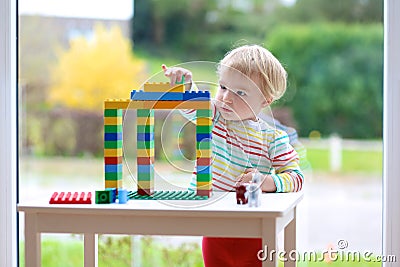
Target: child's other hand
175,74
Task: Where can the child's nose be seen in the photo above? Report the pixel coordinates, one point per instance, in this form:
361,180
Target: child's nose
227,96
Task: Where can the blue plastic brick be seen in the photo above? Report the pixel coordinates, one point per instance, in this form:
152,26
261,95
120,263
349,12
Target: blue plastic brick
145,136
203,169
200,136
145,168
112,136
197,96
163,96
113,168
122,196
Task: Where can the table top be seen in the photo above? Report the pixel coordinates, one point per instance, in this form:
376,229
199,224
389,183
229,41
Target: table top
221,204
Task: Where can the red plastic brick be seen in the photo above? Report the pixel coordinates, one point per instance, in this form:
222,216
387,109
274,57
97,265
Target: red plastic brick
71,198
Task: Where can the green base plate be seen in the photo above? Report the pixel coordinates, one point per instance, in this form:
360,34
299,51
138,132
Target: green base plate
168,195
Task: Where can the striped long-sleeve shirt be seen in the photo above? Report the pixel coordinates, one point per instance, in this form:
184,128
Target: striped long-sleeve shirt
240,145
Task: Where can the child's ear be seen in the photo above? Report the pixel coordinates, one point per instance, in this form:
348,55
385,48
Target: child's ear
267,102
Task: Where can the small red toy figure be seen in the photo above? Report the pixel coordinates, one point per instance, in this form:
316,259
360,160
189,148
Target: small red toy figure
241,194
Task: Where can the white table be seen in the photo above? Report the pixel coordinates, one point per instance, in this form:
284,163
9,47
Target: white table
219,216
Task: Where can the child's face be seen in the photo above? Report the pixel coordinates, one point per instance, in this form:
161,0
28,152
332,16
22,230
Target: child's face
239,97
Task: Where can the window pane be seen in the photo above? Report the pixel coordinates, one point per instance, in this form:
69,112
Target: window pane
75,54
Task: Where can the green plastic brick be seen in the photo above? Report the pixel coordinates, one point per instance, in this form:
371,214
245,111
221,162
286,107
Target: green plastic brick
113,176
203,113
113,113
204,177
145,128
204,145
167,195
112,128
145,144
203,128
104,197
113,144
145,112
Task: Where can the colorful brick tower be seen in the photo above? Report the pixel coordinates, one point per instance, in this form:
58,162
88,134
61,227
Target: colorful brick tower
113,148
156,96
145,151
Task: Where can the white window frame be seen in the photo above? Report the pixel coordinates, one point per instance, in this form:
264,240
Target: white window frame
391,132
8,132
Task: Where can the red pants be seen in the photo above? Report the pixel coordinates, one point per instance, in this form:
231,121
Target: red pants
235,252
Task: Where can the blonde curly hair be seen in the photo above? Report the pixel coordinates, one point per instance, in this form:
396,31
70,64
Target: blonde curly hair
257,62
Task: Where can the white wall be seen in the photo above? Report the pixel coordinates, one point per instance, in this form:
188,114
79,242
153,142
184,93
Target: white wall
8,233
391,135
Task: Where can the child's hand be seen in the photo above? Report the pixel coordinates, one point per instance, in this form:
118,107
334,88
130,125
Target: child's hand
175,74
247,176
267,183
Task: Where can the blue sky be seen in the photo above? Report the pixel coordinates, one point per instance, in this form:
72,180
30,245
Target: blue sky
104,9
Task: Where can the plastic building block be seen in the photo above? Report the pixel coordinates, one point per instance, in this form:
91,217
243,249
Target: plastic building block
112,112
113,144
196,96
205,144
160,96
146,168
203,193
145,136
112,136
110,176
171,104
122,196
203,153
204,185
113,183
145,120
112,120
201,177
113,160
113,194
145,160
112,152
203,136
168,195
122,103
145,191
145,153
71,198
203,113
145,183
113,168
145,128
203,121
203,169
204,161
163,87
104,197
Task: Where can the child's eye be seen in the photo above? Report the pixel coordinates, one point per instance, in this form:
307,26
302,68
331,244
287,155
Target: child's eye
240,93
223,87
